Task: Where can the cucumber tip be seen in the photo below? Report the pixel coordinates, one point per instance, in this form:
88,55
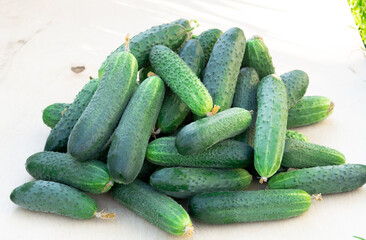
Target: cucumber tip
263,180
188,231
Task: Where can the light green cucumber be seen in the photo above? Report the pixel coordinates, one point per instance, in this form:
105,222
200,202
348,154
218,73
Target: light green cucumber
291,134
52,114
296,83
207,40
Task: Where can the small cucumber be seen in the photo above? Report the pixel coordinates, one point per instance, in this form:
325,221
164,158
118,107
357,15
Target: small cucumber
98,121
291,134
187,25
192,54
52,114
57,140
223,67
271,122
182,182
91,176
127,151
248,206
324,180
207,39
181,80
296,83
257,56
226,154
154,207
206,132
309,110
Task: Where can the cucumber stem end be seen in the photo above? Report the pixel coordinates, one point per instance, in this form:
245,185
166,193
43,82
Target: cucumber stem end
188,231
104,215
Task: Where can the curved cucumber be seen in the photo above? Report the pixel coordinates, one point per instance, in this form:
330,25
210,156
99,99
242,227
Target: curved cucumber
296,83
154,207
127,151
52,114
206,132
207,40
185,182
53,197
226,154
98,121
324,180
291,134
309,110
91,176
248,206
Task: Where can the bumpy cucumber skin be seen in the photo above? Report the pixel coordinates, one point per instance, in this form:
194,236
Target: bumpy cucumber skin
53,197
223,67
91,176
248,206
98,121
57,140
225,154
153,206
127,151
324,180
296,82
206,132
52,114
181,80
271,122
207,39
257,56
309,110
291,134
182,182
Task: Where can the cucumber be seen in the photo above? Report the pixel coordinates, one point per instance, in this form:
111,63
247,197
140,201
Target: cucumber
192,54
226,154
143,73
181,80
291,134
255,174
206,132
309,110
98,121
52,114
187,25
248,206
207,40
91,176
154,207
257,56
270,126
296,83
324,180
182,182
223,67
127,151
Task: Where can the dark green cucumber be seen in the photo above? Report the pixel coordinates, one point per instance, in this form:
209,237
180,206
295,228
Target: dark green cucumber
187,25
257,56
222,70
143,73
324,180
300,154
53,197
226,154
57,140
248,206
207,39
155,207
181,80
291,134
98,121
296,83
309,110
254,173
174,110
91,176
182,182
52,114
270,127
127,151
206,132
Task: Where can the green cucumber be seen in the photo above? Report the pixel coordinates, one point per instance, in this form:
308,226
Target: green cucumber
57,140
91,176
181,80
187,25
182,182
127,151
206,132
248,206
226,154
324,180
154,207
192,54
254,173
223,67
207,39
309,110
52,114
296,83
270,127
291,134
98,121
257,56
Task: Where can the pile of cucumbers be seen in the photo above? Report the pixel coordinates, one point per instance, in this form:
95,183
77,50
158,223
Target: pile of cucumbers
172,116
